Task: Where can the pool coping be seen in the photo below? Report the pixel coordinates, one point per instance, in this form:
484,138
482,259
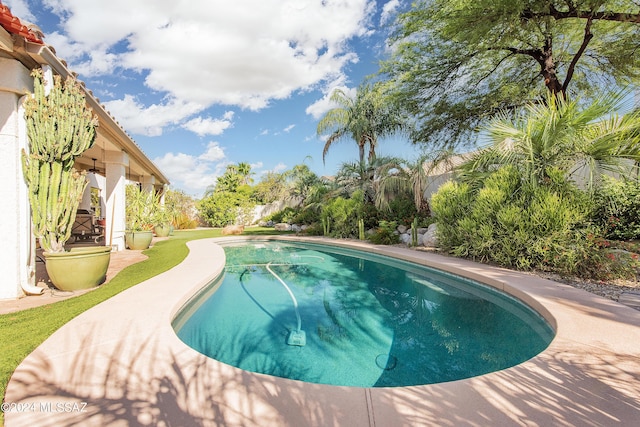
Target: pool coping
132,368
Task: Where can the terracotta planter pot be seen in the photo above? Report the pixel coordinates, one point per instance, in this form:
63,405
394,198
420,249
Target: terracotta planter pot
80,268
138,240
162,230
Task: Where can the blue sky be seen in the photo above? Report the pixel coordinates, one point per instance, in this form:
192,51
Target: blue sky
201,84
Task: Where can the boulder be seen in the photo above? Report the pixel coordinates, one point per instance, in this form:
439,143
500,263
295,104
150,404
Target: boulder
232,229
282,226
402,229
429,238
405,238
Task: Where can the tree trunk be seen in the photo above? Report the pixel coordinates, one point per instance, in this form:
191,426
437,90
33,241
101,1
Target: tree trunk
548,66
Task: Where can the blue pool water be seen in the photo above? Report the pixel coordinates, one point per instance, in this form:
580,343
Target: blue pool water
365,320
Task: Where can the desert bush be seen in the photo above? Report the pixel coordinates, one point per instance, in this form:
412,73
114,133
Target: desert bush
314,229
400,209
517,225
385,234
183,222
617,208
224,208
285,215
340,216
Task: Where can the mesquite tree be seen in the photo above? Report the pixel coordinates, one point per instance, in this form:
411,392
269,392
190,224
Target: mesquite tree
60,127
457,63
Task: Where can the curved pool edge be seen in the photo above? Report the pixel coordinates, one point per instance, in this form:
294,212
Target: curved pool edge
134,365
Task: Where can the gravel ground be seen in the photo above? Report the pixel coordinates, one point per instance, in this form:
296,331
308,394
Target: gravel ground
611,290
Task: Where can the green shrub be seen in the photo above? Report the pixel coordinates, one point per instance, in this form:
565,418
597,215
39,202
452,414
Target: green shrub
522,226
402,209
450,204
224,208
314,229
385,234
285,215
340,216
306,216
617,209
184,222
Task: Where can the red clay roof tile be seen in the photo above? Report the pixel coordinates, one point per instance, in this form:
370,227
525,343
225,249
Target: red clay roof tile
13,25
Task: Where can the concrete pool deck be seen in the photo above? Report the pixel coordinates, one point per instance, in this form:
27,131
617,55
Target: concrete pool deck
120,363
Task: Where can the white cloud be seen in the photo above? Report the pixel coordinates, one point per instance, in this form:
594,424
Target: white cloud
214,153
20,9
209,126
187,172
321,106
218,52
194,174
151,120
289,128
389,10
279,168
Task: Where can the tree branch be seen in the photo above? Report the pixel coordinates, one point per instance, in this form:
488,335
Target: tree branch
585,41
583,14
536,54
489,73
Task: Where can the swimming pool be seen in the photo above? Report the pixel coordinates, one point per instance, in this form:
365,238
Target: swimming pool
338,316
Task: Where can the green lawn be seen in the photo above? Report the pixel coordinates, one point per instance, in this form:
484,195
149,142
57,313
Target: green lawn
22,332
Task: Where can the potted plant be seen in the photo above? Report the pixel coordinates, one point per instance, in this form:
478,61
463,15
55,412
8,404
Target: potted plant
141,206
60,127
162,221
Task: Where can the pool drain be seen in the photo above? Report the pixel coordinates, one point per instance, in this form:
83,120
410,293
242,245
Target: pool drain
386,361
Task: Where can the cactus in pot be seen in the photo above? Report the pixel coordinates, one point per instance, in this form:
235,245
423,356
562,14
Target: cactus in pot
60,127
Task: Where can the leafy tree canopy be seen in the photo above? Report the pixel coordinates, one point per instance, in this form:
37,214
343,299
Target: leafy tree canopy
234,176
458,62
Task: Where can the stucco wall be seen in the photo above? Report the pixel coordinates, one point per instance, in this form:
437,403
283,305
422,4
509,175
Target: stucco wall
16,249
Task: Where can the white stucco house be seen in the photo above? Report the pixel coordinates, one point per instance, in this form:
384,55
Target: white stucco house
113,161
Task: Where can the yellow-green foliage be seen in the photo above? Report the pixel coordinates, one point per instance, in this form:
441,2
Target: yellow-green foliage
517,225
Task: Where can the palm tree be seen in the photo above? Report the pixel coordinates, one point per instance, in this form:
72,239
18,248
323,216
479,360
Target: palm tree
363,118
399,176
243,169
301,180
561,136
364,176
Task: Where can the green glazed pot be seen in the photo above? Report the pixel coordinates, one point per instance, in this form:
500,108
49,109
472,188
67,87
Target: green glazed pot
138,240
80,268
162,230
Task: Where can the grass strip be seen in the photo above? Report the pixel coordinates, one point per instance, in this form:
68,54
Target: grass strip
21,332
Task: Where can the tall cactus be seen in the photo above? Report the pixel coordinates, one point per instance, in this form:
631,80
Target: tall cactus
414,232
60,127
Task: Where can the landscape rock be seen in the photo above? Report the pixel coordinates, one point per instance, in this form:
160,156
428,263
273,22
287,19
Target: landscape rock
429,238
282,226
232,229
